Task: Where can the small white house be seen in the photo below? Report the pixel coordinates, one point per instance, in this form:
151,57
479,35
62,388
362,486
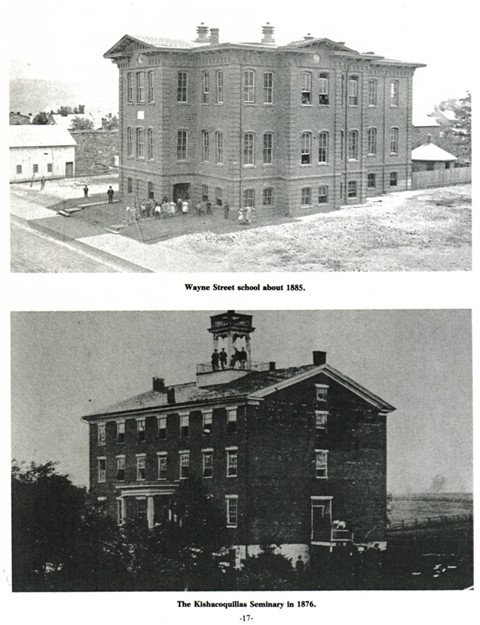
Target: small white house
38,151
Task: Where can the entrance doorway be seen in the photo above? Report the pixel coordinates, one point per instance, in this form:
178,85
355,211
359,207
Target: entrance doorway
181,190
69,170
321,519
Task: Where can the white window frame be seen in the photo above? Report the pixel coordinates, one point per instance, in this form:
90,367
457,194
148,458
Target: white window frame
232,413
184,421
321,420
150,144
306,148
352,184
162,465
141,438
306,93
182,145
207,453
205,87
141,460
101,433
353,145
323,194
321,464
394,93
394,139
184,463
231,510
249,149
182,86
372,141
306,199
324,88
353,89
371,176
268,87
121,466
130,141
219,86
120,432
120,510
207,420
268,148
372,92
205,146
267,195
140,86
150,87
323,146
130,87
140,142
101,473
219,147
393,176
321,392
232,469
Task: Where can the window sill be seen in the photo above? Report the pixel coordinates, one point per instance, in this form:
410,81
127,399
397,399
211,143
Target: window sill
306,105
305,164
306,205
231,527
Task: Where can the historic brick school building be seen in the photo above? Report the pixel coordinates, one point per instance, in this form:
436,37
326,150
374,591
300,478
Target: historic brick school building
294,456
306,126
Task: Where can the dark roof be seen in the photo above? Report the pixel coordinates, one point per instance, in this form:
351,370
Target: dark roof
261,382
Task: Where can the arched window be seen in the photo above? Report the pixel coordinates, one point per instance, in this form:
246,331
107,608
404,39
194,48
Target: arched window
372,141
353,91
268,148
306,196
353,145
323,95
306,152
306,88
249,148
394,141
323,146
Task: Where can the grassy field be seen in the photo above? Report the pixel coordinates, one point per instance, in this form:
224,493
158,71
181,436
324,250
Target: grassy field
429,506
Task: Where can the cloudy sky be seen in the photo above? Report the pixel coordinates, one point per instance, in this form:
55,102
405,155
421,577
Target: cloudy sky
67,364
54,39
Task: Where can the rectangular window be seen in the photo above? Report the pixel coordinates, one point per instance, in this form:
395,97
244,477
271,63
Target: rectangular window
141,430
218,196
139,144
323,147
321,392
352,188
232,413
204,192
394,92
394,141
151,92
249,148
205,87
323,96
219,86
182,86
120,468
342,90
207,463
353,145
101,433
219,147
49,168
162,427
207,422
306,153
249,86
129,142
141,87
342,145
306,88
323,194
268,88
371,181
249,198
138,188
19,169
321,417
129,185
268,148
206,145
102,469
184,464
232,462
232,510
321,461
184,423
372,93
150,190
306,196
268,196
182,138
353,91
120,431
130,87
162,466
393,178
35,168
141,468
372,141
141,508
150,143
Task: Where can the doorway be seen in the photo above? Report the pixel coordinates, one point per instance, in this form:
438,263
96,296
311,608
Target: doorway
321,519
181,190
69,170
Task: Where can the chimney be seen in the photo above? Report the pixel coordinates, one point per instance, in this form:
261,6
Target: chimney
202,34
429,138
159,385
319,358
308,36
214,36
267,32
171,395
272,366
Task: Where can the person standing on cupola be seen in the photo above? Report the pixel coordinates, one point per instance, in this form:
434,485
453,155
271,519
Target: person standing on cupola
215,359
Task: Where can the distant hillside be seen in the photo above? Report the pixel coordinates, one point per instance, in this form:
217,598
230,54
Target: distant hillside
31,95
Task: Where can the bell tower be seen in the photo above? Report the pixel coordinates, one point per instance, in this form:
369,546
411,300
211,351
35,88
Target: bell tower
231,338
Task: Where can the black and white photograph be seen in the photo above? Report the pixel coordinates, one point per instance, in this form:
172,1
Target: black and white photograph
242,451
241,137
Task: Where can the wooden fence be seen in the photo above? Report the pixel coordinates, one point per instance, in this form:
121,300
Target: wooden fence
441,177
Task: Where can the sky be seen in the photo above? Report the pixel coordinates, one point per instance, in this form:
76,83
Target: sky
60,40
67,364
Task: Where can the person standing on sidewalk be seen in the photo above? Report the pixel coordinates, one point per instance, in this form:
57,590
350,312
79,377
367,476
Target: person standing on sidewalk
110,193
85,191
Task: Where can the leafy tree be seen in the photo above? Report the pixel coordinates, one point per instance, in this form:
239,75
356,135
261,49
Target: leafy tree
79,110
46,513
110,122
457,133
41,118
64,111
79,123
266,571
